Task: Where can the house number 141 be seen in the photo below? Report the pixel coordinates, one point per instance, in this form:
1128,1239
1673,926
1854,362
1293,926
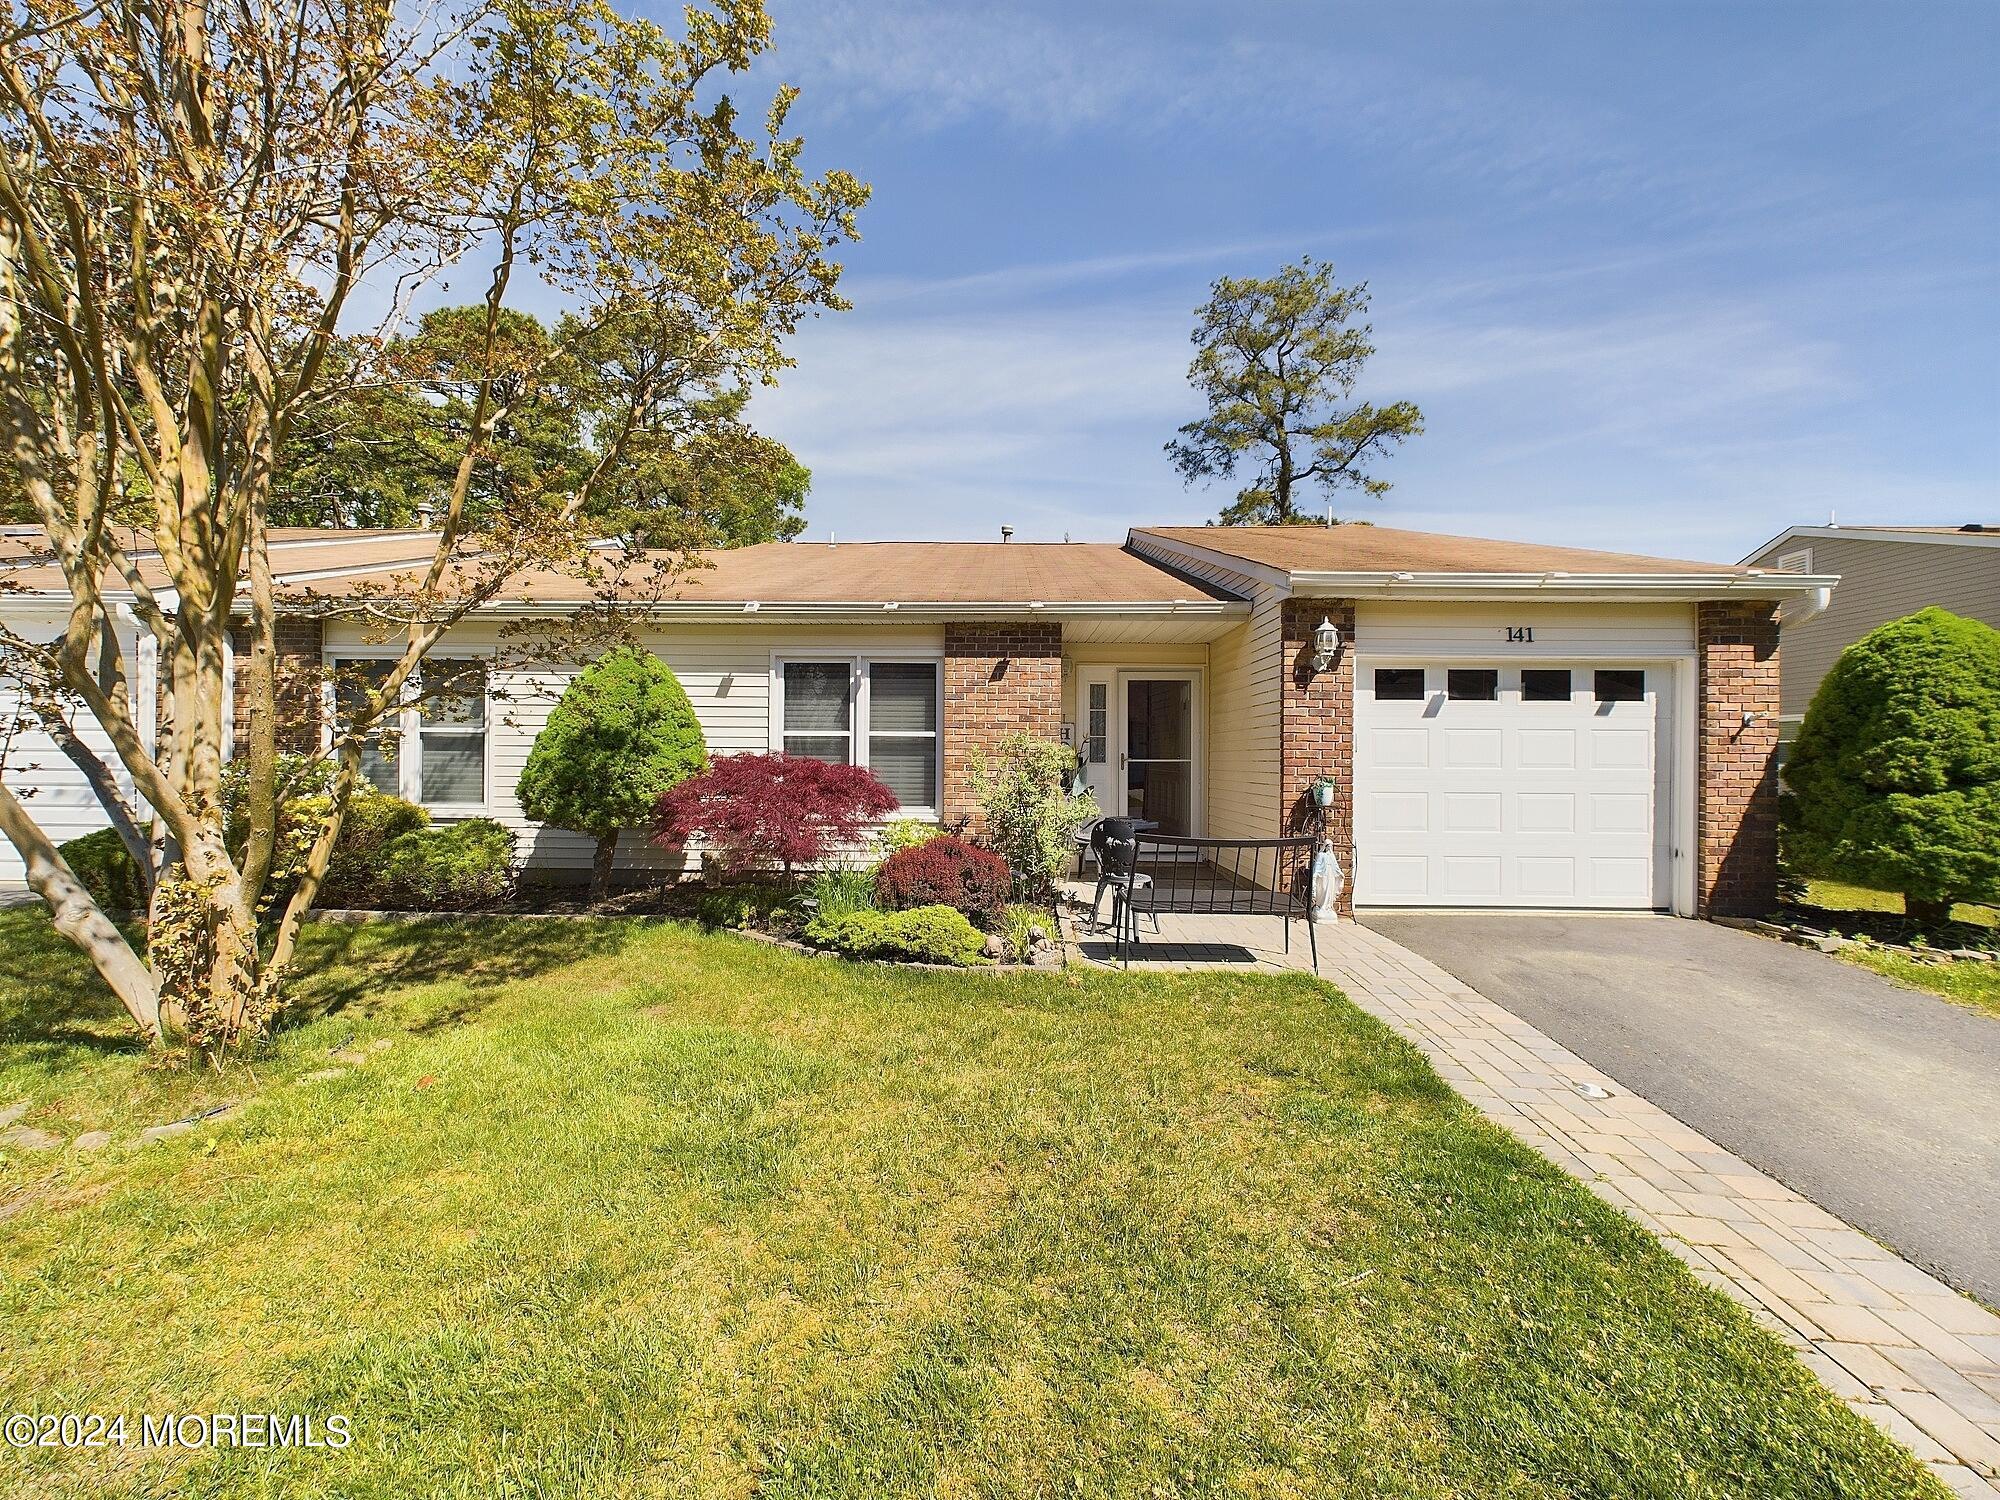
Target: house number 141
1520,635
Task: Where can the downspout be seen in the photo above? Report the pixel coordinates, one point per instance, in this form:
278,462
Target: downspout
1802,607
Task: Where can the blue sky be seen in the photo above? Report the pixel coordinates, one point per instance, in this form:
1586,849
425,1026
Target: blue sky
1662,277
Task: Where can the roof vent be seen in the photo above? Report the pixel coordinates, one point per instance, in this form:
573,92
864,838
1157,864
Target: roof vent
1006,533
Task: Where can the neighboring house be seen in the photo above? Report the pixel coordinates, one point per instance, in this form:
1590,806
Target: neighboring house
1506,724
1885,572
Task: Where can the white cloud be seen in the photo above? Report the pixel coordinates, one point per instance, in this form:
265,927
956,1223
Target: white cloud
931,417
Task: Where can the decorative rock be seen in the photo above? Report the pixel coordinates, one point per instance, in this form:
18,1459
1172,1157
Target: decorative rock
996,947
27,1138
154,1133
13,1112
1047,956
1038,934
93,1140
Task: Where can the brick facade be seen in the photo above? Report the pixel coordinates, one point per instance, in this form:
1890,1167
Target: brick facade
1317,729
1736,843
299,673
1000,678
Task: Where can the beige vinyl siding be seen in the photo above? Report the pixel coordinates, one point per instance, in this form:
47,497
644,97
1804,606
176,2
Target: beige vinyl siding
57,797
1245,677
1880,580
726,670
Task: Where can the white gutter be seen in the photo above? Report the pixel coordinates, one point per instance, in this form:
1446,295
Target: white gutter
1557,585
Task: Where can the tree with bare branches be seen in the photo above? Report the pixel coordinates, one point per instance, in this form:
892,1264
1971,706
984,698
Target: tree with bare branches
215,212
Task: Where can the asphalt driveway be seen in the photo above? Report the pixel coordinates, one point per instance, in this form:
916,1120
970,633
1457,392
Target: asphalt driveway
1878,1103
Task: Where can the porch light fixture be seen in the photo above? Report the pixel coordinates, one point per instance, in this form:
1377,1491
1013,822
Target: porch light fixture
1326,641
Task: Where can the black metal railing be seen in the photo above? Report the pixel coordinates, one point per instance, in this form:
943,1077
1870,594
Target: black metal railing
1155,873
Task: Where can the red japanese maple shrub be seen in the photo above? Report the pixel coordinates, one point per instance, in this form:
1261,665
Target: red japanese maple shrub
945,872
760,812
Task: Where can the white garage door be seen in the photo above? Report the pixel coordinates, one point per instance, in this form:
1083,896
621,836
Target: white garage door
1512,785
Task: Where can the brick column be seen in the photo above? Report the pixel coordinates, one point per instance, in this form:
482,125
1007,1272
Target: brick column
1000,678
1317,728
299,674
1736,779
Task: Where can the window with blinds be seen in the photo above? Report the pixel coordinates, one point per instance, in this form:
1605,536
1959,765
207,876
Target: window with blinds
885,715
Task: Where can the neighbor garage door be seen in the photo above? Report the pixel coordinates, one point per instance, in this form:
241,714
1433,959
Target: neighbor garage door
1512,784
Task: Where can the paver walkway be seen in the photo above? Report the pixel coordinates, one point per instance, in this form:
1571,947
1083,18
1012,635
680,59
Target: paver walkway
1888,1338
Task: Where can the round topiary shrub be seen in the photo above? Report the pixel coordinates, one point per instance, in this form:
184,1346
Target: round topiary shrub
1894,781
945,871
623,735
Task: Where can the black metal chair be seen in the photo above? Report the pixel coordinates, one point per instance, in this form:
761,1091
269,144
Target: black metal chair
1097,838
1118,870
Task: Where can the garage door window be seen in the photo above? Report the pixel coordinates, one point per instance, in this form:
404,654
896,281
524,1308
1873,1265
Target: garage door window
1472,684
1545,685
1621,685
1399,684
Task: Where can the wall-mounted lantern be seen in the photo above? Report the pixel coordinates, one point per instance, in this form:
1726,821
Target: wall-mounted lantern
1326,643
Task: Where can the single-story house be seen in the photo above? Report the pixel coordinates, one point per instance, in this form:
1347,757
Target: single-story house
1504,724
1886,572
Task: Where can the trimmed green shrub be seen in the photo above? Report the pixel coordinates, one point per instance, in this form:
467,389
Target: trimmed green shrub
353,875
374,821
1031,814
455,867
1894,781
927,934
622,736
945,872
107,871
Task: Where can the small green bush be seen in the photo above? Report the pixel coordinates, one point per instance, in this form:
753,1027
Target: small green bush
838,892
731,906
1032,815
898,834
374,821
456,867
1894,781
926,934
106,870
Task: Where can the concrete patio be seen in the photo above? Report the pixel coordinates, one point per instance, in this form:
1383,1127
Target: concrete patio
1890,1339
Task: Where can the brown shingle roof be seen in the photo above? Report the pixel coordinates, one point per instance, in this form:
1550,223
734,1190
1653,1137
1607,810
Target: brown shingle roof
911,573
1382,549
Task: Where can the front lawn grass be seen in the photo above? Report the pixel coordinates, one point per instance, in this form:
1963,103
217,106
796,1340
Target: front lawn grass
1975,985
631,1210
1839,896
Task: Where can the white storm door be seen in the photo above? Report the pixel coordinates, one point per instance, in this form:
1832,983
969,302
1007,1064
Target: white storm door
1506,785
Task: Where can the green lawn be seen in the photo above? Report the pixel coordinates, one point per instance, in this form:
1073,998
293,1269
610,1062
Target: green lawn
1970,984
1838,896
629,1210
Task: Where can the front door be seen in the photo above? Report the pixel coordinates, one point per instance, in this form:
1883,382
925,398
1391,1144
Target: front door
1156,749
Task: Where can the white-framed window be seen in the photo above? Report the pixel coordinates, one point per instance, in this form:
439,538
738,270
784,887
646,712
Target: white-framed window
432,750
882,712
